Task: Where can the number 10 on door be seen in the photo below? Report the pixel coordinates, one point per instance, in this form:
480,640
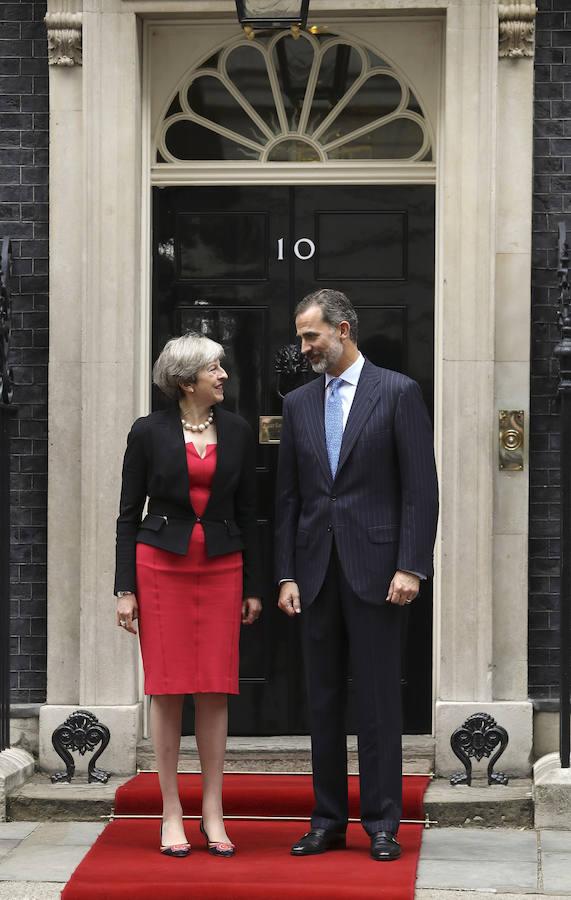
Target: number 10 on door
304,248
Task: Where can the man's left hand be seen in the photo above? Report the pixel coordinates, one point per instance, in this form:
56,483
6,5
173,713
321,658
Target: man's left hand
403,588
251,610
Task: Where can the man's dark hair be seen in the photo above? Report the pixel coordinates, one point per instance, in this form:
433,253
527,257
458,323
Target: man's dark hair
335,308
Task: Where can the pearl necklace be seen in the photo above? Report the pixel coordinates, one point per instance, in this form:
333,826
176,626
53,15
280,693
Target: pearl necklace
202,427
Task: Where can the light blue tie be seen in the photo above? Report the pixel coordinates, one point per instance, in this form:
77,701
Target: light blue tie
334,423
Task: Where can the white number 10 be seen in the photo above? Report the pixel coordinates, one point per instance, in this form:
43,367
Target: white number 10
297,248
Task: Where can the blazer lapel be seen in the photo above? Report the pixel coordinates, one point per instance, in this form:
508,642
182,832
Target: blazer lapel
176,449
315,422
365,395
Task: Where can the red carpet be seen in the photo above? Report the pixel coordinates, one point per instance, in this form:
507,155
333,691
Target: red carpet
254,795
125,862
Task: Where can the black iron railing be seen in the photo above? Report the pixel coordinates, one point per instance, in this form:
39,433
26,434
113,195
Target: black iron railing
563,352
5,411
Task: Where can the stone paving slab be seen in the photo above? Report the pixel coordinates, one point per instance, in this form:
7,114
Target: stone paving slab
556,868
439,894
65,834
494,875
42,862
479,843
16,830
17,890
7,845
555,841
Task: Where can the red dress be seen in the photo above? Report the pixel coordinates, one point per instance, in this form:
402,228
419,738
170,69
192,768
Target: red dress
190,606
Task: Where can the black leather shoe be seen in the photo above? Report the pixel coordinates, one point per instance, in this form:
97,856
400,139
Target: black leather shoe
384,846
319,840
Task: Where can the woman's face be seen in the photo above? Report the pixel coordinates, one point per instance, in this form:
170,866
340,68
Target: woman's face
208,388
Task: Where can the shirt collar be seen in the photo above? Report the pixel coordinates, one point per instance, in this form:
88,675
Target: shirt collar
350,375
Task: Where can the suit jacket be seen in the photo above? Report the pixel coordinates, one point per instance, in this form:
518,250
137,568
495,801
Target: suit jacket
382,506
155,466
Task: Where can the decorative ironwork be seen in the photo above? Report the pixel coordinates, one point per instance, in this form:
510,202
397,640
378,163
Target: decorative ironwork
563,352
6,410
82,732
479,736
291,365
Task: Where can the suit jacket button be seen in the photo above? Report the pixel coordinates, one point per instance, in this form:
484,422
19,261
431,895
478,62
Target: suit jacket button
333,497
330,528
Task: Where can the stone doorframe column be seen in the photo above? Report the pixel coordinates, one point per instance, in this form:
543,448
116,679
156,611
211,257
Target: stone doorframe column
484,360
482,353
95,192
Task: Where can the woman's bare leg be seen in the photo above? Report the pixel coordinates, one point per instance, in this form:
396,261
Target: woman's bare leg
211,719
166,719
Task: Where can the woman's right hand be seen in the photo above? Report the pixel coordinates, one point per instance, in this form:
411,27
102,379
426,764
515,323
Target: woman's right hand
127,612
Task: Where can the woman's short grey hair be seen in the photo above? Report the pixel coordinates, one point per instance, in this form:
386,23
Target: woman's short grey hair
181,359
335,308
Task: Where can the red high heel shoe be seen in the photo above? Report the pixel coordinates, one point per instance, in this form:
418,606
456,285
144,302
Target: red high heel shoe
217,848
174,849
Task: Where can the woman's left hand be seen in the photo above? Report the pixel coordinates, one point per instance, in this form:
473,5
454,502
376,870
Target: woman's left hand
251,610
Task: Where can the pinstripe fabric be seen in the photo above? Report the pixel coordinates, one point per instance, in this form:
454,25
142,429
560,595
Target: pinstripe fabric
382,505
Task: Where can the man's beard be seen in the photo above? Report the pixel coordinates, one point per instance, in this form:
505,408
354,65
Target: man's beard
329,358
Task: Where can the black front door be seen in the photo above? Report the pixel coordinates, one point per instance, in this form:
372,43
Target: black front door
232,263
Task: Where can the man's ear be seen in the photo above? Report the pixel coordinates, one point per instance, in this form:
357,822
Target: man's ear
345,330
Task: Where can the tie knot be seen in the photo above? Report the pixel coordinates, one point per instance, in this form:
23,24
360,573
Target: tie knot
334,384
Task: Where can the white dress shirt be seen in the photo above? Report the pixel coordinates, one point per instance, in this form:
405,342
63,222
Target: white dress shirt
346,390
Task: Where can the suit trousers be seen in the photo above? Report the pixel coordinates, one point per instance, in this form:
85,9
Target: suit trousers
338,628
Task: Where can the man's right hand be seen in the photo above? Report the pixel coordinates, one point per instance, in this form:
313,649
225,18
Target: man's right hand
288,600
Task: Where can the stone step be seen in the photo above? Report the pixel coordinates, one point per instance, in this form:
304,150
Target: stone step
39,800
285,753
481,805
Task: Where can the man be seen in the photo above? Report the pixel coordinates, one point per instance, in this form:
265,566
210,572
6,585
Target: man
357,507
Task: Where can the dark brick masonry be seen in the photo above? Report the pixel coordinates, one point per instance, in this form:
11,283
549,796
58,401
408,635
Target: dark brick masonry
24,218
551,204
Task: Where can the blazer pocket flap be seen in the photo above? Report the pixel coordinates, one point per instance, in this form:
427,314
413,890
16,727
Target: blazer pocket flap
382,534
301,539
153,522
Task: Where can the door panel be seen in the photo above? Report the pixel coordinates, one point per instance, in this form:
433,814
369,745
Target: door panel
232,263
363,245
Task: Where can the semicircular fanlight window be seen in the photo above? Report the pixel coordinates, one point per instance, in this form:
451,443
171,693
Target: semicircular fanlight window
277,99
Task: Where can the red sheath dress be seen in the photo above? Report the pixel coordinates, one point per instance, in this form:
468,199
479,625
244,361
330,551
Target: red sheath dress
190,606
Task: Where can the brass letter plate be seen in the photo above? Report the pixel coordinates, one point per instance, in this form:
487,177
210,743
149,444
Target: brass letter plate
511,439
270,429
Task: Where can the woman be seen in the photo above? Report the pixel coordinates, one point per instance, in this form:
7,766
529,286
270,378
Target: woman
189,570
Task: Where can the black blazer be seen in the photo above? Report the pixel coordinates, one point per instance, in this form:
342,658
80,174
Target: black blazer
155,466
382,506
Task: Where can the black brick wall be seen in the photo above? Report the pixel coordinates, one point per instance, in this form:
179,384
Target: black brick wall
24,218
551,204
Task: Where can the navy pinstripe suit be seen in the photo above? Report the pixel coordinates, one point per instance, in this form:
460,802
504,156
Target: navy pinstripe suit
342,541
